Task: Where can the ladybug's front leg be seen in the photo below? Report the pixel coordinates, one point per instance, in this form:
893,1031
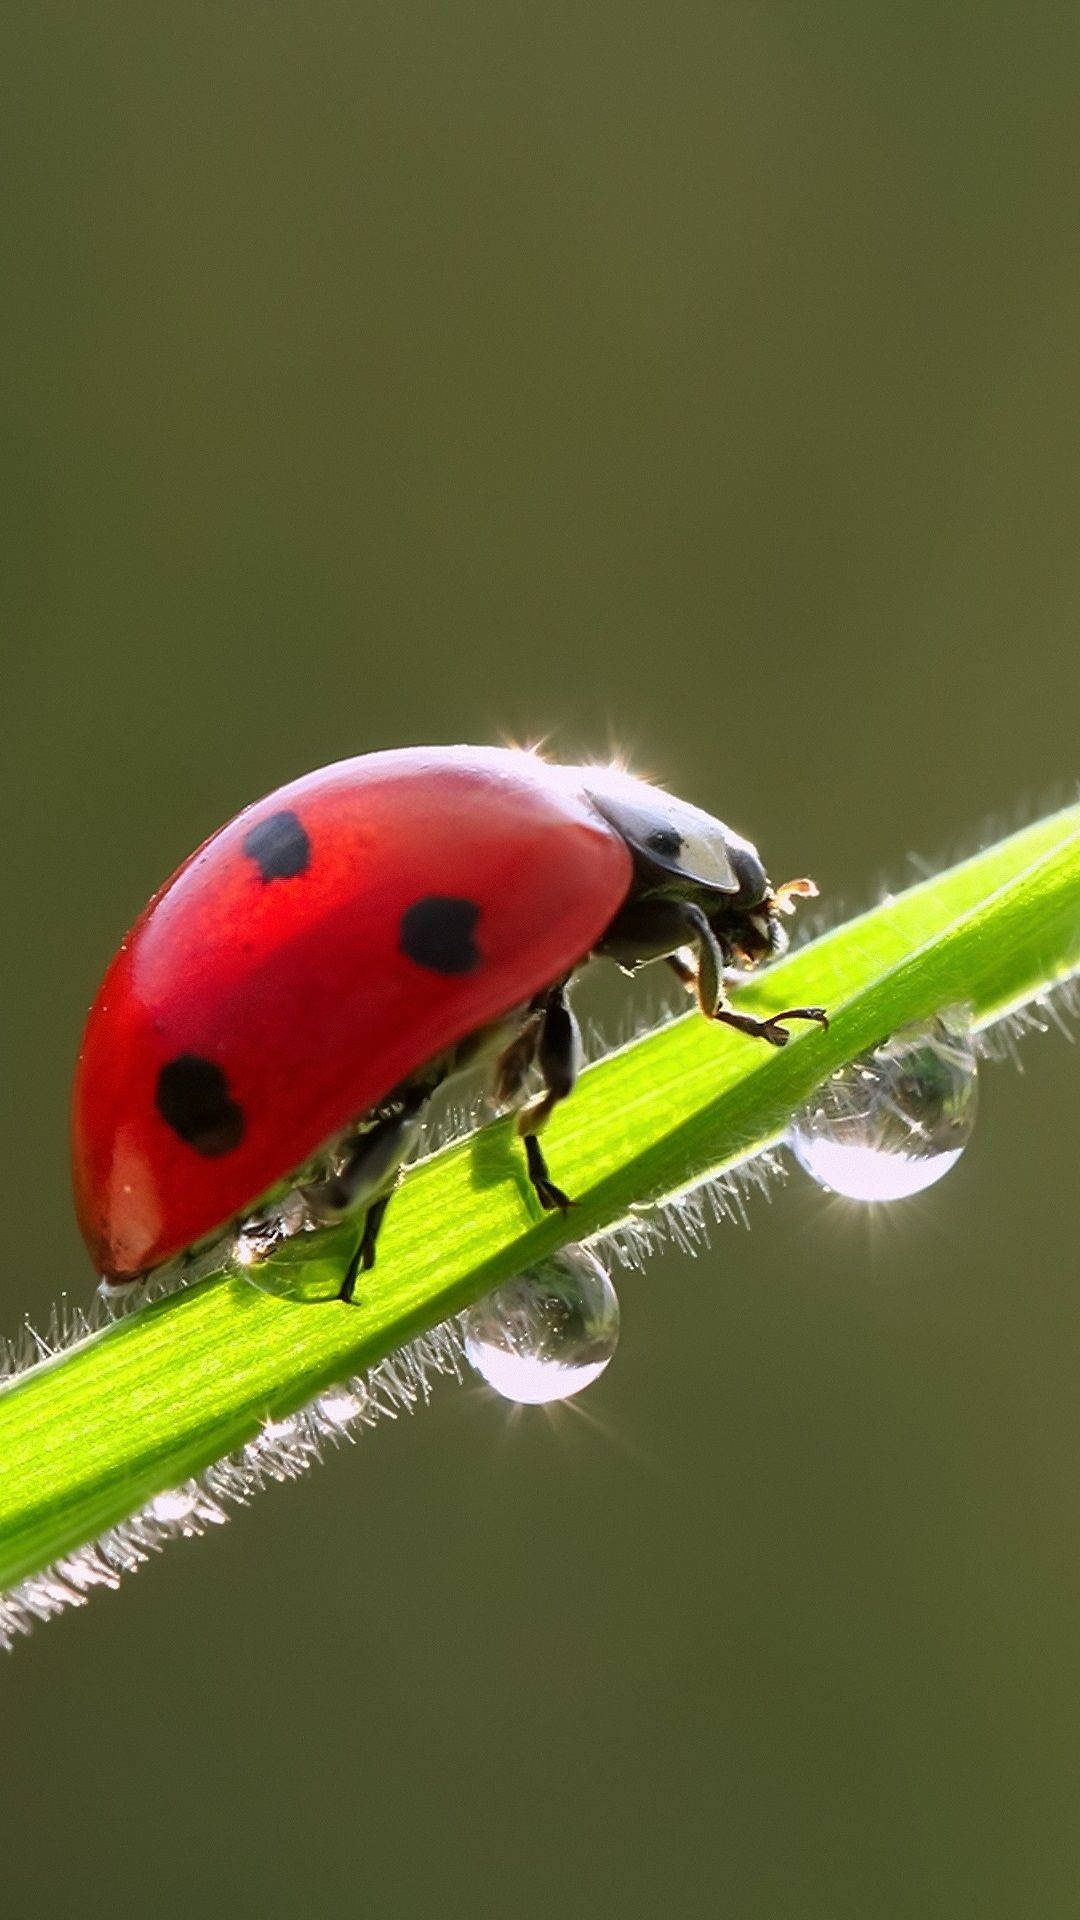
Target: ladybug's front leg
708,984
558,1056
772,1029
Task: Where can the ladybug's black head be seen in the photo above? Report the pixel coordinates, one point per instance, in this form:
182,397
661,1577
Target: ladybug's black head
750,925
683,853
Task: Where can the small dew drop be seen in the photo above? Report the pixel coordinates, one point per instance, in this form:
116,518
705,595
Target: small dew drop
547,1333
177,1504
340,1406
896,1119
274,1432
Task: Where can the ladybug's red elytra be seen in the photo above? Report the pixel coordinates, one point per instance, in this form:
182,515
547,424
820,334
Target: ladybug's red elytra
285,1007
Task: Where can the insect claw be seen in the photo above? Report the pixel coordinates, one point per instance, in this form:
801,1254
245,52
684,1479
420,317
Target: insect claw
553,1199
771,1028
777,1034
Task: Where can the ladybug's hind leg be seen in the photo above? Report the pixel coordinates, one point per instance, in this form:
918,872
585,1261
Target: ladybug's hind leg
558,1056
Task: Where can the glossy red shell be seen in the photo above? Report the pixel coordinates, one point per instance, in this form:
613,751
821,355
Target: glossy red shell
296,987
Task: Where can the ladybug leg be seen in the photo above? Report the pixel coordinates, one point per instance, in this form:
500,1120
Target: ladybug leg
364,1258
558,1055
733,977
549,1195
682,970
708,984
371,1163
369,1175
772,1029
512,1066
708,979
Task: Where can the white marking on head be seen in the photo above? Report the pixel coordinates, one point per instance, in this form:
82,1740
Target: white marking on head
670,832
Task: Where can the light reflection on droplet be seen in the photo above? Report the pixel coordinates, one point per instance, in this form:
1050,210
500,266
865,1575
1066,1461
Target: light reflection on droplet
273,1432
896,1119
547,1333
339,1405
174,1505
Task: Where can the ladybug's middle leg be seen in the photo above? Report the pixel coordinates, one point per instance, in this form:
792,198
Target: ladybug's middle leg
558,1056
368,1177
513,1064
364,1256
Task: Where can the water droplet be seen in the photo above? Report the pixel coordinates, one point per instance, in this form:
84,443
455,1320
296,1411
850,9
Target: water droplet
339,1405
273,1433
897,1118
174,1506
547,1333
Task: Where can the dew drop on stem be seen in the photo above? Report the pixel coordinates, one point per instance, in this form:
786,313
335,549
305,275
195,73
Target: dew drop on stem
547,1333
896,1119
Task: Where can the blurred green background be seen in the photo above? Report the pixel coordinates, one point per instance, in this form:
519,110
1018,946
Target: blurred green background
702,379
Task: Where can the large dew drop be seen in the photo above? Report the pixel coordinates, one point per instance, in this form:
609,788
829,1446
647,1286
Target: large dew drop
896,1119
547,1333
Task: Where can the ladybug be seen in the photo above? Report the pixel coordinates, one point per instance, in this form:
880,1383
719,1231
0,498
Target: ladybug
278,1018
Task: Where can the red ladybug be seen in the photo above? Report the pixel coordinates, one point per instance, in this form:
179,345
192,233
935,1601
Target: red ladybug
289,1001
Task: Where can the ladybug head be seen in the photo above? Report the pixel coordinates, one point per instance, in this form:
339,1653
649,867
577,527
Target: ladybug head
685,853
750,933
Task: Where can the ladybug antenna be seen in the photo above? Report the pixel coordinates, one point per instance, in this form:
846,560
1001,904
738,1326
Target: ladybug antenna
783,898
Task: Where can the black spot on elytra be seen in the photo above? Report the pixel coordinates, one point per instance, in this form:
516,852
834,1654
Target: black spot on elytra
193,1099
437,932
665,841
279,846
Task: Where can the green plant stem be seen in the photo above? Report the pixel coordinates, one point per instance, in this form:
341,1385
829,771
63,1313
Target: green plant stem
91,1435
